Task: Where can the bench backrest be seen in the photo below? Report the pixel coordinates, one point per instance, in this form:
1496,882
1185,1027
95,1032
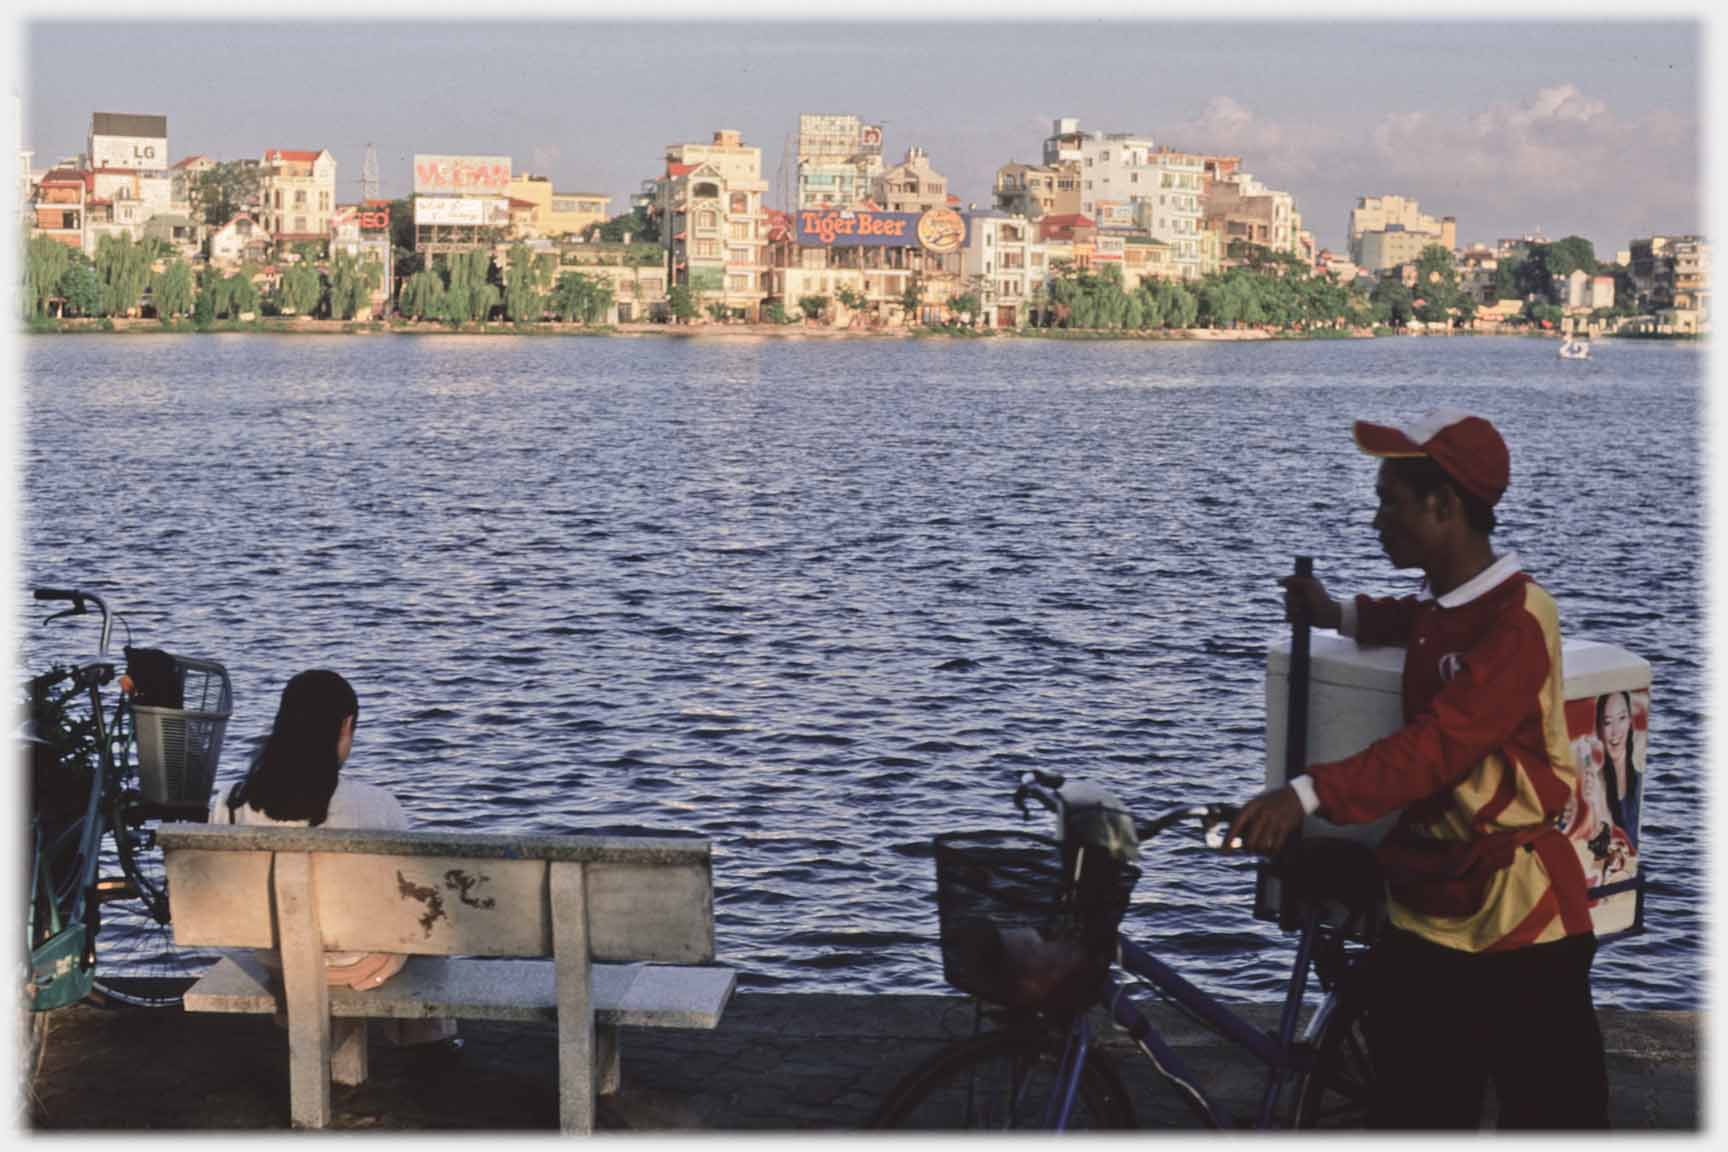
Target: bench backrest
444,893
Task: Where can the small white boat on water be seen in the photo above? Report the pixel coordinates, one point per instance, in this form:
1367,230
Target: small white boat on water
1575,349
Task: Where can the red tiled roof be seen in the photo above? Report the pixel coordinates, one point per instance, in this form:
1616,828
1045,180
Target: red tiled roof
189,160
1069,219
680,169
515,203
298,157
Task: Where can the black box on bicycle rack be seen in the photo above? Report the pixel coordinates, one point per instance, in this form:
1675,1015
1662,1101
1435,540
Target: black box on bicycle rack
1355,697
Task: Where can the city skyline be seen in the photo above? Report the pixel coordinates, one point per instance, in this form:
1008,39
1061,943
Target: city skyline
1510,127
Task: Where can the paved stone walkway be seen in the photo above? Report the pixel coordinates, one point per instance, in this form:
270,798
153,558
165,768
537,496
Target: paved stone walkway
778,1061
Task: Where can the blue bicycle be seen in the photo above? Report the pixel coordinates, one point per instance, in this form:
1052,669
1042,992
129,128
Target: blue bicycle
1029,927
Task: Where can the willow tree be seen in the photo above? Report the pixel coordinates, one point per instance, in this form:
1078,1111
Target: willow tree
422,295
470,294
46,262
525,283
124,268
300,291
242,294
352,282
172,290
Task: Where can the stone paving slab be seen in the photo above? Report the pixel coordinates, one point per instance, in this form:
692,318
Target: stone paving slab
809,1062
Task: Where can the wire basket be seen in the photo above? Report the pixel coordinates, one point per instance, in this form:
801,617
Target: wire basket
1016,928
178,748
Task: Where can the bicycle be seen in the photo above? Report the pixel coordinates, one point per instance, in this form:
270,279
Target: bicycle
1032,1060
102,778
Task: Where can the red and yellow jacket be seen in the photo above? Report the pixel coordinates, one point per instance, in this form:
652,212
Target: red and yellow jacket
1482,767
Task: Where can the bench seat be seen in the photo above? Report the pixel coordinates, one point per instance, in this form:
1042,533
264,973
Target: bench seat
470,988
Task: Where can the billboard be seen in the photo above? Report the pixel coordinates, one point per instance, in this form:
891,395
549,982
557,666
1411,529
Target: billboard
146,152
472,211
435,175
940,229
870,139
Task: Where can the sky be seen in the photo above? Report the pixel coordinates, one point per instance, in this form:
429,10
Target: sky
1537,124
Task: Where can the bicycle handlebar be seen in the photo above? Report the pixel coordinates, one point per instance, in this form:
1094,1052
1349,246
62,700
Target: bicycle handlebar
78,597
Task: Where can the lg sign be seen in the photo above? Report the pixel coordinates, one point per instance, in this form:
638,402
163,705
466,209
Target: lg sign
128,152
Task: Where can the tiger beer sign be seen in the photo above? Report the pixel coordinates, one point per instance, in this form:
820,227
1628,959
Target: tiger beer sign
940,230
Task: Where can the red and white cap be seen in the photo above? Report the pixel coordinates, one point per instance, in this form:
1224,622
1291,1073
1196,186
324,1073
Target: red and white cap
1466,446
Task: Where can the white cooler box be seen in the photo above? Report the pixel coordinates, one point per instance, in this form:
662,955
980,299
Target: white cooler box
1354,699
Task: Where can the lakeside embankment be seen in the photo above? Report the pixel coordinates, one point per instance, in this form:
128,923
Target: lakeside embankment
777,1062
311,327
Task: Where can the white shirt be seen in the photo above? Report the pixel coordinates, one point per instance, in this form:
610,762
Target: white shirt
352,805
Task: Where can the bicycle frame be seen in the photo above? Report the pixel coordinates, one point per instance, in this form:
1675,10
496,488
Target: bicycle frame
62,967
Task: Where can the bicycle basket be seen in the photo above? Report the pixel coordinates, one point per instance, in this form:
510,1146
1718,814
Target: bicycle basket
1015,929
178,748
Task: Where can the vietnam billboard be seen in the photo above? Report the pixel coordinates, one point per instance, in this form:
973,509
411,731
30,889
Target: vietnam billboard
442,175
940,230
471,211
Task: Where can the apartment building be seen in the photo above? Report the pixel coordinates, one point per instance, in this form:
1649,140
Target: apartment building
1038,190
62,207
298,190
1244,210
839,158
552,213
1006,263
713,222
1402,219
1172,208
911,185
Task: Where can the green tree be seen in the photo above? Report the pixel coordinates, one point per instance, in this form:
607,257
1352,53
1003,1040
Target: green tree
124,268
681,303
243,294
850,298
46,262
82,288
469,294
300,291
225,191
965,308
352,282
813,306
422,295
173,290
636,224
1391,301
1183,308
1574,253
718,312
911,300
774,312
525,282
204,307
1436,285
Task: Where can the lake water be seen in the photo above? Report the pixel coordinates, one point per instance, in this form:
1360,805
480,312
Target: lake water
821,601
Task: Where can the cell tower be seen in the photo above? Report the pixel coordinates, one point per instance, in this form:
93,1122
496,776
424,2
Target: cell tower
369,174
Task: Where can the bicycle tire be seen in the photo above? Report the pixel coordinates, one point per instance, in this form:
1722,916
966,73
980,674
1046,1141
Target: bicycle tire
1338,1090
138,964
1000,1081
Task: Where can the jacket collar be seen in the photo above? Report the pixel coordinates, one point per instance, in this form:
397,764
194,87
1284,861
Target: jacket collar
1480,584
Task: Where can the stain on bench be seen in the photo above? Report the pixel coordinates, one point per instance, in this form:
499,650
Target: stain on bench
430,897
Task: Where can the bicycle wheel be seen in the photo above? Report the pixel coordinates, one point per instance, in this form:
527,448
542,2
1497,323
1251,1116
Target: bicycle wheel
1002,1081
137,962
1337,1090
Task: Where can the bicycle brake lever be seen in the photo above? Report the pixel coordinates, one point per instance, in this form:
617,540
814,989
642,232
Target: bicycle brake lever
78,611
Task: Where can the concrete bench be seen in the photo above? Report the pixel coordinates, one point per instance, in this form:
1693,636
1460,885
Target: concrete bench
627,923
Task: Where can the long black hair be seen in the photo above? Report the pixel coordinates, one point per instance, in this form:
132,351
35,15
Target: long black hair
1617,803
294,774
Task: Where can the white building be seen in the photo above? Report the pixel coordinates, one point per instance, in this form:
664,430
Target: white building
1004,263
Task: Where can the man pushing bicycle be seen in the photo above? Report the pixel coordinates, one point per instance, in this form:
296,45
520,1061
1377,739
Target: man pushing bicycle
1484,973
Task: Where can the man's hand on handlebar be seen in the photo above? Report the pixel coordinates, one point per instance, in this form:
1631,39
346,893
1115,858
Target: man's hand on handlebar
1305,597
1267,821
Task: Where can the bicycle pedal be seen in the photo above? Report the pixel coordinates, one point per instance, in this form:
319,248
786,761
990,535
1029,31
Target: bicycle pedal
115,888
